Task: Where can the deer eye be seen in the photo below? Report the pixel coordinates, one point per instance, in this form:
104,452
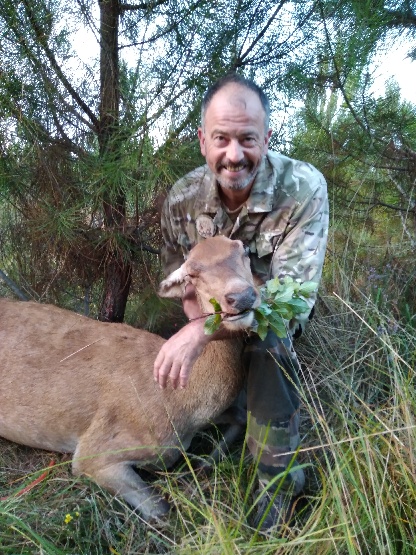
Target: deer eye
193,269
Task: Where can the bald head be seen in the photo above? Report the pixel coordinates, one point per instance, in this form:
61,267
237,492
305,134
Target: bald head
237,83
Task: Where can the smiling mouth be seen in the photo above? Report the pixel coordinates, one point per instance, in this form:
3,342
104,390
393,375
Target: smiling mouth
235,169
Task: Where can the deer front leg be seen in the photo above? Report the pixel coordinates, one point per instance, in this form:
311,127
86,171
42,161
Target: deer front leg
123,481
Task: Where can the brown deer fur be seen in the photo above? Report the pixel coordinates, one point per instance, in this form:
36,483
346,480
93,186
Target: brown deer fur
72,384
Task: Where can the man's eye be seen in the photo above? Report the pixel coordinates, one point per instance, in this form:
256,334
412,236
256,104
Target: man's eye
249,140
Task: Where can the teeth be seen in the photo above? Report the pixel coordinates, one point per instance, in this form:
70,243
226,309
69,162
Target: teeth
234,168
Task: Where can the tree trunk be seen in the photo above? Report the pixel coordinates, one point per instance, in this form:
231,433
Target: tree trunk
117,275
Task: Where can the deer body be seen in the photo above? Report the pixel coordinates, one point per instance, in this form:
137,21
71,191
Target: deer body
72,384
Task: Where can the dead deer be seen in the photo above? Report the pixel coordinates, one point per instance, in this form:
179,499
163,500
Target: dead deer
73,384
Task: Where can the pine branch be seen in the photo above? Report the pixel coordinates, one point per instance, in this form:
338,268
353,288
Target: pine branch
42,41
144,6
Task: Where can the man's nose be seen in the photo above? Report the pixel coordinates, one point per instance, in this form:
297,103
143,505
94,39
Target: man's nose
234,151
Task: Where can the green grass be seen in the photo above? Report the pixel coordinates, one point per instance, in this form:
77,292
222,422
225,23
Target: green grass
359,451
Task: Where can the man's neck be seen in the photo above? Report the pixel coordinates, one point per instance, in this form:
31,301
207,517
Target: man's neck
233,199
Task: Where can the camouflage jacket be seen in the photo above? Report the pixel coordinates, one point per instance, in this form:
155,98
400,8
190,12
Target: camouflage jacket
284,222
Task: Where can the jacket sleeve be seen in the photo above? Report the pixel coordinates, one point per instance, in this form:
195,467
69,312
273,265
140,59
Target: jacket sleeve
172,256
301,253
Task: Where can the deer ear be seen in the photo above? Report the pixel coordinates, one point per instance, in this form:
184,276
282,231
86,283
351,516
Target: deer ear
174,284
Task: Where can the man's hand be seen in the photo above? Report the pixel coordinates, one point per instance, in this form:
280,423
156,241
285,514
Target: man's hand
178,355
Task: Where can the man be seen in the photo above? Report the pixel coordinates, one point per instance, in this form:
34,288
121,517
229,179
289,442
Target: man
278,207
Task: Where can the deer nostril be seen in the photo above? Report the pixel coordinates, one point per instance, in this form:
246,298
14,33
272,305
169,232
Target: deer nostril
231,298
242,300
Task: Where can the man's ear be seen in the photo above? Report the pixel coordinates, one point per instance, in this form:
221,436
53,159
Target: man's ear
174,285
201,137
266,141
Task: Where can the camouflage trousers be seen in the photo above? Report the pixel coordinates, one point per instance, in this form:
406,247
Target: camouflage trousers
273,410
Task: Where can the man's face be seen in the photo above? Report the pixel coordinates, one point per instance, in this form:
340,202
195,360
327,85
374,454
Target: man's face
234,139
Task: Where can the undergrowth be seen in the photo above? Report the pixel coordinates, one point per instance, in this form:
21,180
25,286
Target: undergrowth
358,450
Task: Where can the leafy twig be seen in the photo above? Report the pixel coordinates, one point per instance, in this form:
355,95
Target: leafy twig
281,300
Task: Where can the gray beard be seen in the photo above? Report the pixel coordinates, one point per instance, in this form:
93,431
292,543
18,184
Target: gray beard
237,185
